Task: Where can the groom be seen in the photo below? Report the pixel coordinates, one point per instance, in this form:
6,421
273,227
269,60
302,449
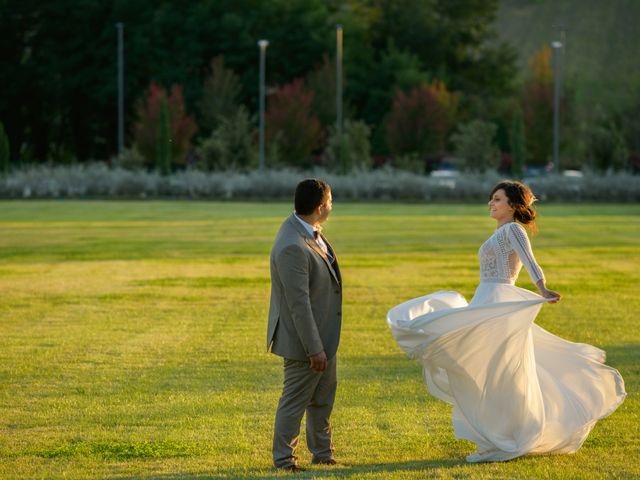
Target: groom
305,316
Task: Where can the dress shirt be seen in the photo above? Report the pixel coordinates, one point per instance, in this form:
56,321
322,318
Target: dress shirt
315,234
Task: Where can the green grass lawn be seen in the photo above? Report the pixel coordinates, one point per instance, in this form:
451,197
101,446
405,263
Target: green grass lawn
132,337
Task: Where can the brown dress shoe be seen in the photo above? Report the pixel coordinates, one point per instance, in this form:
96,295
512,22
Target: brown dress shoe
291,469
328,461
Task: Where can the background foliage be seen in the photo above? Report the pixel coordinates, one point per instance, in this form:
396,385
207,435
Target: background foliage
59,60
98,181
484,60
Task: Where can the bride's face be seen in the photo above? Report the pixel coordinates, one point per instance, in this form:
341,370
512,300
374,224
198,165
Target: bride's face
499,207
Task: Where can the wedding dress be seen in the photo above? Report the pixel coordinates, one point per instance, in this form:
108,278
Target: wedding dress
516,389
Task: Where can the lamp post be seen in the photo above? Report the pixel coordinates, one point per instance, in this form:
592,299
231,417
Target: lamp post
263,51
556,47
120,29
339,96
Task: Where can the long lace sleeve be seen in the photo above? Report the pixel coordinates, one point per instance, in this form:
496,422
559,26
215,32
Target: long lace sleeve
518,239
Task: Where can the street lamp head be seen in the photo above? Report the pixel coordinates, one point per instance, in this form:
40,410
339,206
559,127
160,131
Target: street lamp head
263,43
556,44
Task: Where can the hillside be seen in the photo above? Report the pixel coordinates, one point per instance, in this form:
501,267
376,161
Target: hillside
602,40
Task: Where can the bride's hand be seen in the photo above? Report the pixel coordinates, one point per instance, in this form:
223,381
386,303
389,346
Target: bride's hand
546,293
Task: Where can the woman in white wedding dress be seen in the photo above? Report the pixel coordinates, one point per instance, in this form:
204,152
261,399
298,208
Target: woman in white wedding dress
516,389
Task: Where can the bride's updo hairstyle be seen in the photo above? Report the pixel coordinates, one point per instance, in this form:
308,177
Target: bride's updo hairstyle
521,199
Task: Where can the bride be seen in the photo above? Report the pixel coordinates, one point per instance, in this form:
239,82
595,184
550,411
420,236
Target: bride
516,389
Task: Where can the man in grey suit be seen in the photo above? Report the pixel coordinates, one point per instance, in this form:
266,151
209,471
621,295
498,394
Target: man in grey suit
305,316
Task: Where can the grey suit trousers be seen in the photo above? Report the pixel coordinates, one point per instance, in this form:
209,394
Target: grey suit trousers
310,391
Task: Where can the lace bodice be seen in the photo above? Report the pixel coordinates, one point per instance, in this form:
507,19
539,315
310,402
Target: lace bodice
504,253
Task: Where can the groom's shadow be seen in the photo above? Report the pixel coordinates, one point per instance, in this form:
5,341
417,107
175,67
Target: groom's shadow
345,471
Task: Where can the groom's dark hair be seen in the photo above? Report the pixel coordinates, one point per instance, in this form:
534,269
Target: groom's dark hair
310,194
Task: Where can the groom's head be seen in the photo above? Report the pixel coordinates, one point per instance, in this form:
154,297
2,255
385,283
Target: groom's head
313,198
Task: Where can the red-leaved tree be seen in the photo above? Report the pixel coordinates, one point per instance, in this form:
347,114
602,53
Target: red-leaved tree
418,122
147,131
291,123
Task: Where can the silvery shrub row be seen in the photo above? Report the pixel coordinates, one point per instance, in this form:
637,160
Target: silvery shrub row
98,180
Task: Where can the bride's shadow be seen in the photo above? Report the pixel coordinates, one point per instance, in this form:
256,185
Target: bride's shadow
346,471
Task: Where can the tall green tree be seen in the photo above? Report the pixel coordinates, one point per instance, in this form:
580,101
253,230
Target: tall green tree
629,123
220,95
231,145
4,151
538,107
606,147
322,81
518,145
474,144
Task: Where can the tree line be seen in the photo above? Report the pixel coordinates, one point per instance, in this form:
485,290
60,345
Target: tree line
421,78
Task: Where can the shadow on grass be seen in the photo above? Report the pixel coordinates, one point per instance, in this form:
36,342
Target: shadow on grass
623,355
346,471
626,359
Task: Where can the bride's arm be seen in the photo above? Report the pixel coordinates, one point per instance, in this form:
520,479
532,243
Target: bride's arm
546,293
520,242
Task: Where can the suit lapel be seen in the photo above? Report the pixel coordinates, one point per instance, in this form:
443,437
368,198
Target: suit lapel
316,248
334,266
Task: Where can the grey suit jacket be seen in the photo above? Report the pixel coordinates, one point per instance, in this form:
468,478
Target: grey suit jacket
305,313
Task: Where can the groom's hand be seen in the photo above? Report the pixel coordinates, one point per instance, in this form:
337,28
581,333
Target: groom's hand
318,362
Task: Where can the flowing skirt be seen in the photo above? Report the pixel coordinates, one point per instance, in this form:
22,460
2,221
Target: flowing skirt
516,389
